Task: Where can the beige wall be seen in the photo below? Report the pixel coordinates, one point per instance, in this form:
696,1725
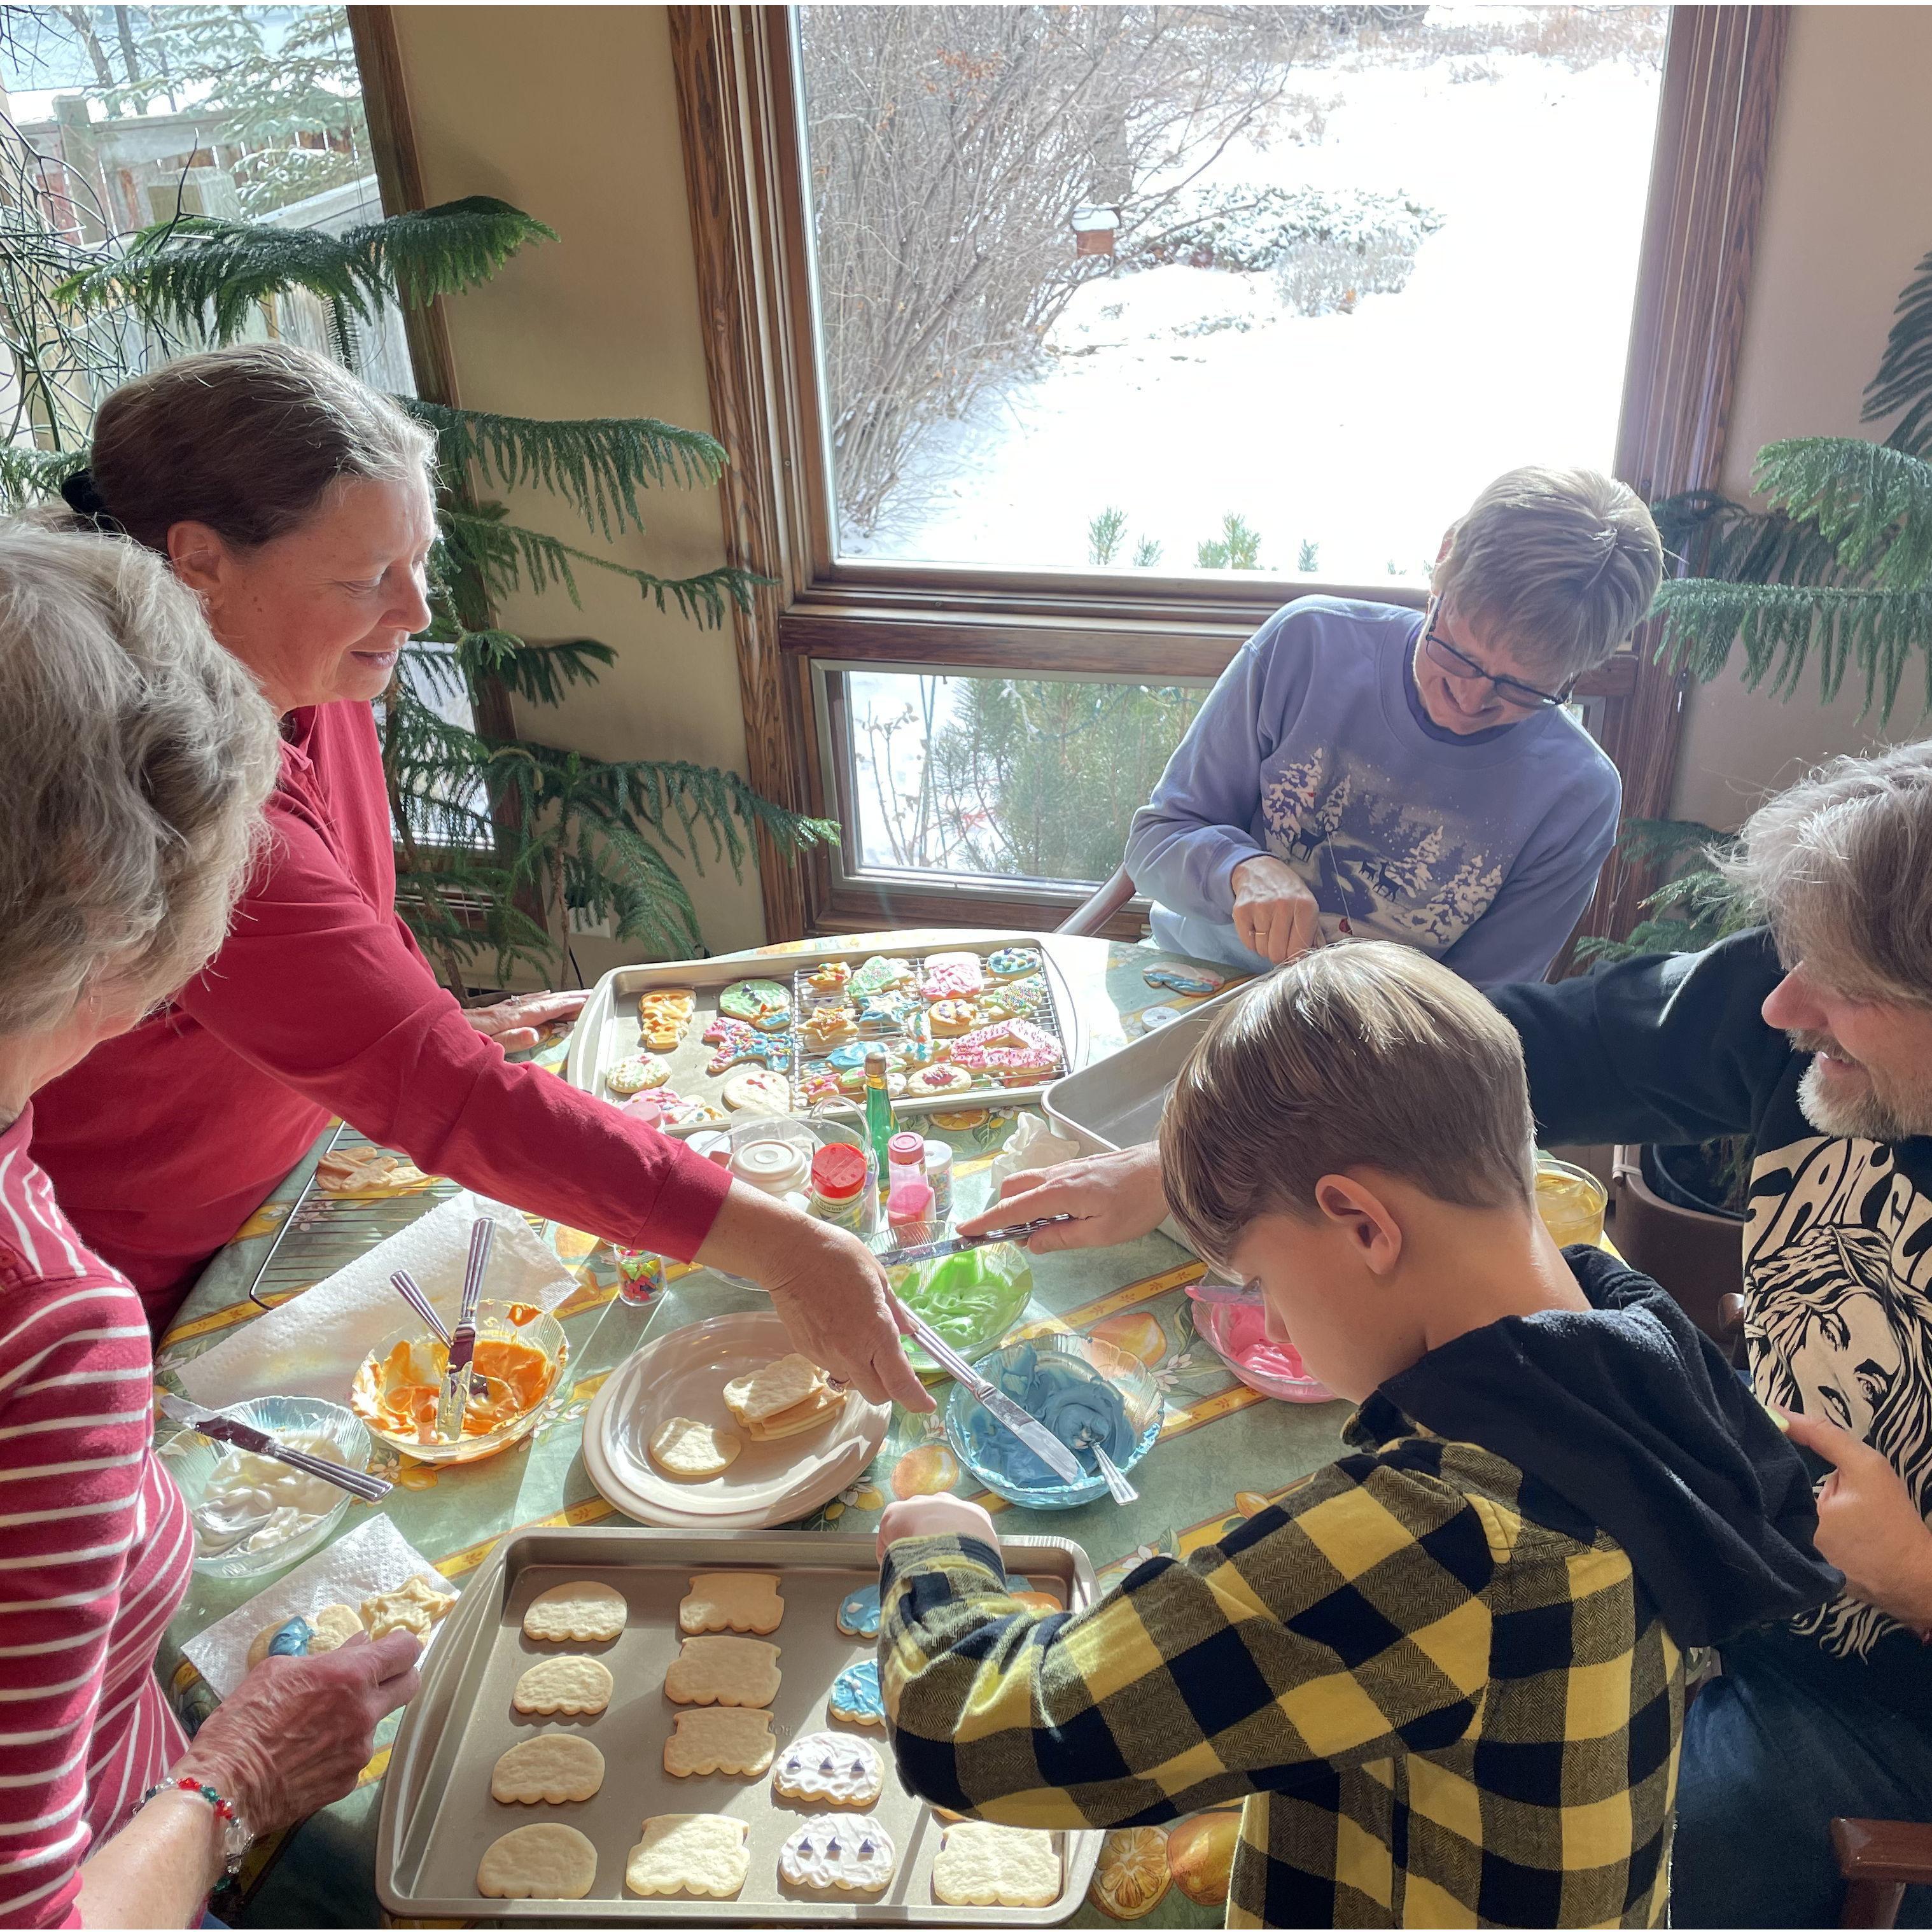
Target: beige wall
1846,219
570,113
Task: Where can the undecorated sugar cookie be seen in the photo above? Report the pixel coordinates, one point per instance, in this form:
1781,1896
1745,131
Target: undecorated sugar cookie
416,1606
732,1600
576,1613
538,1861
689,1451
853,1854
556,1769
578,1686
823,1767
700,1851
995,1865
719,1737
721,1670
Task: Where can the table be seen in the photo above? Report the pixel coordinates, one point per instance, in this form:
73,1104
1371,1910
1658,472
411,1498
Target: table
1225,1452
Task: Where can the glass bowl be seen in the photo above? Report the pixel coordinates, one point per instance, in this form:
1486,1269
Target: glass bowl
1235,1330
1571,1201
970,1299
540,1330
191,1459
967,1422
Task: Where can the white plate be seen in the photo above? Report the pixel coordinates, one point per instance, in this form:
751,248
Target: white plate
684,1373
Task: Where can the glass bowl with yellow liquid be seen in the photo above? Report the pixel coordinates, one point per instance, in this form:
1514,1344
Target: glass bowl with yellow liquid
1571,1201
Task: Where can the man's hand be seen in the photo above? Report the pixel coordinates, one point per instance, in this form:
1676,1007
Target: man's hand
517,1025
935,1516
1868,1525
1275,914
1112,1198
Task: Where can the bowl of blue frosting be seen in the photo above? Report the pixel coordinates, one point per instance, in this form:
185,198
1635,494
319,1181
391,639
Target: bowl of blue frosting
1087,1392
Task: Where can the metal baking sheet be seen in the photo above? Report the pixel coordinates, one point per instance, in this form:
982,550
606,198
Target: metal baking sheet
608,1030
438,1816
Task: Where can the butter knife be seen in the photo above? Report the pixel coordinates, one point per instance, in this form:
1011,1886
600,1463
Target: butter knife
454,1403
219,1428
1030,1430
899,1253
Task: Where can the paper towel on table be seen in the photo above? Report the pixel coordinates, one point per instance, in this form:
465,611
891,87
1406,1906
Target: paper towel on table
313,1344
376,1557
1031,1144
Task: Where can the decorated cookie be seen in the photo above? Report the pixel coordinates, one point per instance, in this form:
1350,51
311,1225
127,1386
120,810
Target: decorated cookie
995,1865
941,1077
1191,983
753,1000
538,1861
720,1737
724,1670
738,1043
952,976
416,1605
759,1091
327,1629
826,1767
1015,1052
1013,962
689,1451
560,1768
680,1000
832,977
815,1089
698,1851
879,1014
880,975
856,1697
1151,1019
659,1107
827,1027
576,1613
663,1015
918,1048
948,1018
852,1854
851,1082
578,1687
844,1059
632,1075
732,1600
859,1614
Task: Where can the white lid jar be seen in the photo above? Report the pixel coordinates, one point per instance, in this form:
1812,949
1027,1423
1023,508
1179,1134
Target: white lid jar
773,1166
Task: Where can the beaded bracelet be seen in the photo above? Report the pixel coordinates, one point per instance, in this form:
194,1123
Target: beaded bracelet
236,1836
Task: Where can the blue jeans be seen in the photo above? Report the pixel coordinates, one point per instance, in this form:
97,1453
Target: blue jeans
1768,1762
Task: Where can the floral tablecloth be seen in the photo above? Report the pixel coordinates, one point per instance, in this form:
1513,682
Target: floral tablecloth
1224,1452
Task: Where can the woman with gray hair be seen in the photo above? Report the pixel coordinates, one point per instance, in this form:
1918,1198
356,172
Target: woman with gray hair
296,503
135,754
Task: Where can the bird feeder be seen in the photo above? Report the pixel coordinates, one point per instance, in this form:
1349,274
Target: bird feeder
1093,230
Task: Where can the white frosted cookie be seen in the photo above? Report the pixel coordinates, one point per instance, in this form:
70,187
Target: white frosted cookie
538,1861
995,1865
576,1613
689,1451
826,1767
853,1854
415,1606
700,1852
732,1600
634,1075
772,1388
329,1628
758,1091
579,1686
720,1737
557,1769
723,1670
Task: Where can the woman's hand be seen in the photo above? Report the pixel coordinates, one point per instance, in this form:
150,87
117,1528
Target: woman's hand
1275,914
1112,1198
828,1288
518,1024
298,1731
935,1516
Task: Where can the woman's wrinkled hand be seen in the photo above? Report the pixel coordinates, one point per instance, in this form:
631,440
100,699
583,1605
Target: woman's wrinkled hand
298,1731
1112,1198
832,1295
1275,914
518,1024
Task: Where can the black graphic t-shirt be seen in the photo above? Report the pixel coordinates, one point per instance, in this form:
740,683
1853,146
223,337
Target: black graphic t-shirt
1838,1243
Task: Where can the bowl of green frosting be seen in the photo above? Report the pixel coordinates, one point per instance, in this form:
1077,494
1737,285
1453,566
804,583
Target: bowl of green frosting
972,1300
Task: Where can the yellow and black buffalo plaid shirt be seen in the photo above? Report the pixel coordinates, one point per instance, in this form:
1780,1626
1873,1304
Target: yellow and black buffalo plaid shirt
1441,1691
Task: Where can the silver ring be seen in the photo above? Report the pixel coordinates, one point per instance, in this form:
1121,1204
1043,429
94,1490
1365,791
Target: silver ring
837,1382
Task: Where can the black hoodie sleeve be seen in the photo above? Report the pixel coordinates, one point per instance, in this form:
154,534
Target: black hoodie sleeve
1669,1047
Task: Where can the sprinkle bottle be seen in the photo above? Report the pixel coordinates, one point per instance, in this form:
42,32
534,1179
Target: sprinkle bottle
939,1178
838,1185
908,1194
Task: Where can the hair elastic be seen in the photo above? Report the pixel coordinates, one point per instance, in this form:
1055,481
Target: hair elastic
81,495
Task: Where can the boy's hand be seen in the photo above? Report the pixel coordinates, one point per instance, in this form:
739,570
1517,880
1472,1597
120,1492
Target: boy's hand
1275,914
1112,1198
935,1516
1868,1525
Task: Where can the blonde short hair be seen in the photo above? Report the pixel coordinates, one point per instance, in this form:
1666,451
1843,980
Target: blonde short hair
135,756
1840,868
1559,566
1362,1054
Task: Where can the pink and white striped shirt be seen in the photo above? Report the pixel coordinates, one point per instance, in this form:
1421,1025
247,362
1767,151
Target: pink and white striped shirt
96,1551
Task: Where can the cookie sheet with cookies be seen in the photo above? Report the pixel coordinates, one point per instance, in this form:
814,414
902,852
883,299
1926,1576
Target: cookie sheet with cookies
655,1727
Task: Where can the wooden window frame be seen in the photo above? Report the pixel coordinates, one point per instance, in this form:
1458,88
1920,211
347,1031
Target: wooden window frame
738,108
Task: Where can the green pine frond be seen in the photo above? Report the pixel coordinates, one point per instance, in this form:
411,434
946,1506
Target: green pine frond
598,465
1904,378
441,251
29,476
1781,626
1716,536
1873,503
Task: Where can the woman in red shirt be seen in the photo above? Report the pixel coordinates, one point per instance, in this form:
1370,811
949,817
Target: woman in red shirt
134,756
295,503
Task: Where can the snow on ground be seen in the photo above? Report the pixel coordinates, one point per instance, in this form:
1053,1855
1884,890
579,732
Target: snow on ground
1365,433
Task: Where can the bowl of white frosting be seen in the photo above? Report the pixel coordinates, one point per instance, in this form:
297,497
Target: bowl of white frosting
253,1516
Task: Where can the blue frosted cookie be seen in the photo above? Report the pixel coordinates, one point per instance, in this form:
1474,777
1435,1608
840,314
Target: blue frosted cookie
1013,962
859,1614
1191,983
855,1696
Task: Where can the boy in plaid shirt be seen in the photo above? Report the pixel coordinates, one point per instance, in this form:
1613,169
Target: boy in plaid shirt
1447,1672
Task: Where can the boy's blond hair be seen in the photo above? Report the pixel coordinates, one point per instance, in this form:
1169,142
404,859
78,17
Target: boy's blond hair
1558,566
1363,1054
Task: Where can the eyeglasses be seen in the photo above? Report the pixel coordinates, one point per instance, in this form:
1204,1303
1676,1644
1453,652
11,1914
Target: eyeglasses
1459,665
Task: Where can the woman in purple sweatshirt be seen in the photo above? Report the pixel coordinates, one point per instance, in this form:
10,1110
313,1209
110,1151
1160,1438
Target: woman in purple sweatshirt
1359,770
